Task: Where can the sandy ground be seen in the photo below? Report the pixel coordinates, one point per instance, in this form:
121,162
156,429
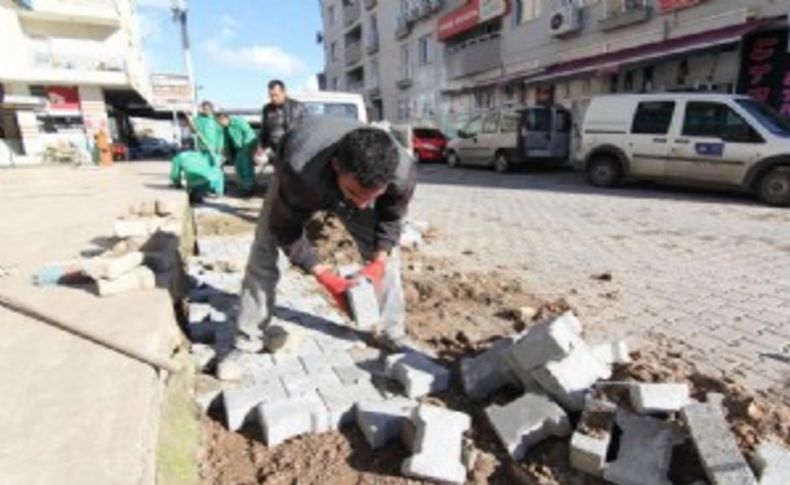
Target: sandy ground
458,314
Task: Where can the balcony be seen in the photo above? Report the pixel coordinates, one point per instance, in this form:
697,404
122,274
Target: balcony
93,12
632,15
372,45
355,87
351,13
353,53
370,4
404,27
67,68
473,56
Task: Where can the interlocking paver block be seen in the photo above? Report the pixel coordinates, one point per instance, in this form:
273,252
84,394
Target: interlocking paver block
383,421
645,451
364,305
352,374
568,379
659,398
724,464
138,279
418,374
772,463
437,445
321,362
590,441
341,399
527,421
111,268
483,374
280,420
612,352
240,401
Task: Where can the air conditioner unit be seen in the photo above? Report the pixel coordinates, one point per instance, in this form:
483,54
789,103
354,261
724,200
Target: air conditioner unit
565,19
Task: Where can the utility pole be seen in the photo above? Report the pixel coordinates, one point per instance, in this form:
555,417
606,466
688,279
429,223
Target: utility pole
180,15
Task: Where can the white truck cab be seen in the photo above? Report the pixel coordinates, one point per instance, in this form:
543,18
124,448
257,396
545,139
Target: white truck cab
321,103
719,139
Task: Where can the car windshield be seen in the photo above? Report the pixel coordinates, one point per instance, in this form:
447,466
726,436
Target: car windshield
339,110
427,133
770,119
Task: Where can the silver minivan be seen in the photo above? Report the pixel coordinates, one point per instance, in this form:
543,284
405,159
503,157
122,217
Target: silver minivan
487,139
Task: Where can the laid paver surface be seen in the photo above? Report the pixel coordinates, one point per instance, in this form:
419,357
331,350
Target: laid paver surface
707,269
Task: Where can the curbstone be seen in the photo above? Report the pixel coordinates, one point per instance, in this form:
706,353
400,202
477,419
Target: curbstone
382,421
590,442
719,453
240,402
527,421
110,268
437,445
418,374
283,419
138,279
568,379
659,398
364,305
487,372
772,463
645,451
612,352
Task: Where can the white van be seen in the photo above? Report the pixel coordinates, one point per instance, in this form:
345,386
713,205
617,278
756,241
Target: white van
719,139
323,103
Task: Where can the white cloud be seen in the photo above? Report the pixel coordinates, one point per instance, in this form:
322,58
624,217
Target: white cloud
150,27
310,84
165,4
269,59
228,26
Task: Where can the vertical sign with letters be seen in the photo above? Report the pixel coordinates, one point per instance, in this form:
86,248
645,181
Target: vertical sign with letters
765,69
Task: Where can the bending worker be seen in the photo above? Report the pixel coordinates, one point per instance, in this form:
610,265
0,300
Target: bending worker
243,140
202,168
358,173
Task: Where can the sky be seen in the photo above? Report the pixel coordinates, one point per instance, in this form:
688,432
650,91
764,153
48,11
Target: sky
237,46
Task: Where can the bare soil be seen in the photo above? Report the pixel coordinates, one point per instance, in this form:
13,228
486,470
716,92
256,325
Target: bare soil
457,314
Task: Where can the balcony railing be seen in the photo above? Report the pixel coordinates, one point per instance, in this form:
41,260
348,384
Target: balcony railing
473,56
353,53
631,15
351,12
99,12
372,44
78,62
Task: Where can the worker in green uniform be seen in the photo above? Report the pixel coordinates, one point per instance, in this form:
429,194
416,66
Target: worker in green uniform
243,141
202,168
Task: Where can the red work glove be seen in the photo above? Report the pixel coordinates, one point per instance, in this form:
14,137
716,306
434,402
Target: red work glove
336,286
374,271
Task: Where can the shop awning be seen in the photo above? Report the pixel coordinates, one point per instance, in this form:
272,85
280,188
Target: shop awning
611,61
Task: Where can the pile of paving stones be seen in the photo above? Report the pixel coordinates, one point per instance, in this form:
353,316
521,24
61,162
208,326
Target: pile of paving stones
327,377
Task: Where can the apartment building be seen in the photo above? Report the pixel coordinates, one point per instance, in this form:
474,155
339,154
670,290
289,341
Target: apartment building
387,51
493,53
66,63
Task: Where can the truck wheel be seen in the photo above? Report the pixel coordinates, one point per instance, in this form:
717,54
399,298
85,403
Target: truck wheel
774,188
452,160
501,163
604,171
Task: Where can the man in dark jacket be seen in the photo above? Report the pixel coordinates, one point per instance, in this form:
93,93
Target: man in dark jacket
279,115
354,171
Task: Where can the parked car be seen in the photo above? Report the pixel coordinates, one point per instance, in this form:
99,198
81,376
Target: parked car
428,144
152,147
719,139
488,140
544,135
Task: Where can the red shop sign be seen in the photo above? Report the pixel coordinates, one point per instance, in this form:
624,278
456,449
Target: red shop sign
63,98
666,6
459,20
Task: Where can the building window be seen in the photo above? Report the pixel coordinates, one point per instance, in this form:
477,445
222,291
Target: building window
333,51
647,79
404,109
524,11
335,84
617,7
405,64
425,50
374,72
330,13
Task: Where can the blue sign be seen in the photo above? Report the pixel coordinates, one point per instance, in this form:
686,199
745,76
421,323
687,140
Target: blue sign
709,149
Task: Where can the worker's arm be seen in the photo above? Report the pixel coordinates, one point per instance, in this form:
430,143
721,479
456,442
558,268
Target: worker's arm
391,209
287,220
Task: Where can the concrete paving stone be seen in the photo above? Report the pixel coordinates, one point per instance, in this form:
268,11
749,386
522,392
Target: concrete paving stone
382,422
340,400
321,362
370,359
139,279
201,355
719,453
485,373
288,369
645,451
418,374
527,421
124,228
567,380
352,374
772,463
437,445
590,442
659,398
239,402
547,341
299,385
612,352
287,418
111,268
364,305
198,312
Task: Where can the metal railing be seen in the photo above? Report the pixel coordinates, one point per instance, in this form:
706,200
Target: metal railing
79,62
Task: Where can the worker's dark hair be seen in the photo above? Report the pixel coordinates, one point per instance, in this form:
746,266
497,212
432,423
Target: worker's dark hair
220,114
207,103
276,83
370,154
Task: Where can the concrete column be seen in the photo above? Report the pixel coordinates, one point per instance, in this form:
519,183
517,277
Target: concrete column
94,111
